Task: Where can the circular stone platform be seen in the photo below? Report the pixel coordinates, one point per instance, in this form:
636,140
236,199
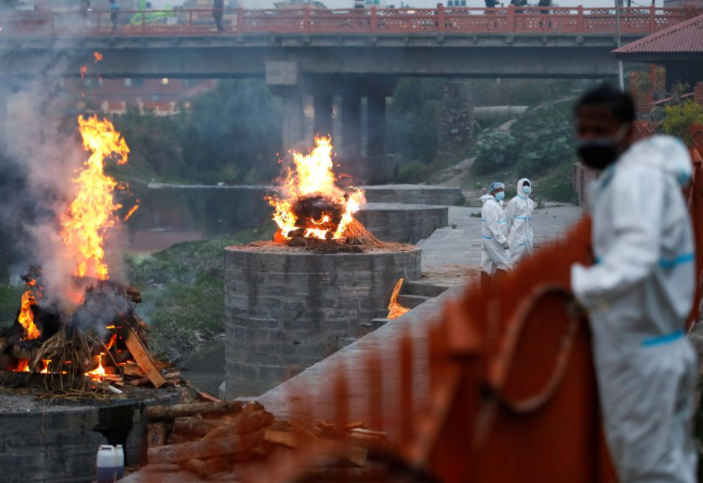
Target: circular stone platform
402,223
413,194
57,442
286,307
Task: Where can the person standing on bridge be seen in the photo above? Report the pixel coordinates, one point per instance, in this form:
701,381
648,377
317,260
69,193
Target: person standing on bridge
640,290
518,221
494,244
114,15
218,10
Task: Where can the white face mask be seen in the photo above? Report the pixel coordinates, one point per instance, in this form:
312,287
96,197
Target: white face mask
527,190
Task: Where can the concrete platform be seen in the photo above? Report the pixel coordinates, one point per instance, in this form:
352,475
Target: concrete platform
403,223
451,255
413,194
57,442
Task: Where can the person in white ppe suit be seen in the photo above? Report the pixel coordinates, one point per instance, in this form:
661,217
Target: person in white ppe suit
494,243
518,221
640,291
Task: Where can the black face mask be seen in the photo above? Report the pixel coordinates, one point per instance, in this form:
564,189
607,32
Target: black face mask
600,153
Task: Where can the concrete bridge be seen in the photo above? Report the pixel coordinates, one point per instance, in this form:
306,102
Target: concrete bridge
351,54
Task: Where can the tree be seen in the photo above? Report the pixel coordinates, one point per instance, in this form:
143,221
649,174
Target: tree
680,116
412,119
230,134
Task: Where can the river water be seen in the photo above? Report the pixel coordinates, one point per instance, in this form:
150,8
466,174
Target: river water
170,214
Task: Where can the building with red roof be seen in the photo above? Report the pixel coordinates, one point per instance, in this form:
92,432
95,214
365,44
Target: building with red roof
678,48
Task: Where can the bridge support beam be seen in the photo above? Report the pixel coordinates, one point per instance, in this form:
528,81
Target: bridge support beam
292,122
351,126
376,125
323,115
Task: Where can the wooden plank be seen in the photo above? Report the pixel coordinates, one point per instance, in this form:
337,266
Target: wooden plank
133,370
185,410
141,355
203,396
244,423
356,455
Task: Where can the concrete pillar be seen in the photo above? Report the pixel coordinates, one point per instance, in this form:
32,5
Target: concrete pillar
323,115
293,121
351,126
337,123
376,124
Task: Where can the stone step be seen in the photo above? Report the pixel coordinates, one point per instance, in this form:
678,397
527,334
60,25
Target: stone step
411,301
374,324
424,289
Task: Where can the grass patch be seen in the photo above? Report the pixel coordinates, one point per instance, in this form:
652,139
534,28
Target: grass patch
558,185
183,291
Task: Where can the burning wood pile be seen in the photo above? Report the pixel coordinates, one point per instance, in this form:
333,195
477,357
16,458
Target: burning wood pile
216,439
98,345
313,211
81,332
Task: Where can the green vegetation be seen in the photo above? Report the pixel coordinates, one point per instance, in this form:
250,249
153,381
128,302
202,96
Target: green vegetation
413,126
495,150
413,172
679,116
225,137
9,304
413,129
183,291
540,145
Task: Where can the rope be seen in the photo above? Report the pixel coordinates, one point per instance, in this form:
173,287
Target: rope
535,402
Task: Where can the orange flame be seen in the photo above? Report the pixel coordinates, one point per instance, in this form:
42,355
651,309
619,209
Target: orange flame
92,212
313,175
46,363
26,317
131,212
98,56
22,365
113,339
395,310
97,374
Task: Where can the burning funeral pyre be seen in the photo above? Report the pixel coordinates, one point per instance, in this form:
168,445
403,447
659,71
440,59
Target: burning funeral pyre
312,210
88,336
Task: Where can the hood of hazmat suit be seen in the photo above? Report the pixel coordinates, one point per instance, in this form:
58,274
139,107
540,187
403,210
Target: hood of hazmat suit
639,293
518,218
493,255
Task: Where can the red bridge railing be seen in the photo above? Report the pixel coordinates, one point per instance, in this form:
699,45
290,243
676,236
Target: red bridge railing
306,21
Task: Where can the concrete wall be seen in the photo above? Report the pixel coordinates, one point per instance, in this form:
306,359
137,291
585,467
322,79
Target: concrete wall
402,223
413,194
52,444
286,309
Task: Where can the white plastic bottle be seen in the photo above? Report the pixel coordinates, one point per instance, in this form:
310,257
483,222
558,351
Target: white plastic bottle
120,461
107,464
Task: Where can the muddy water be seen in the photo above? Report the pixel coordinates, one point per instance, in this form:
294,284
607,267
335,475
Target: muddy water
171,214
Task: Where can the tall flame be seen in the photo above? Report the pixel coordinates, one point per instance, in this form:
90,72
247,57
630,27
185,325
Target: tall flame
313,175
26,317
92,212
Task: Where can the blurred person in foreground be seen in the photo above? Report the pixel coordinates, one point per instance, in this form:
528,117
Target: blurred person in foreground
640,290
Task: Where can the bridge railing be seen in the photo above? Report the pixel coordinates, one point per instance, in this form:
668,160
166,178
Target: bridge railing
306,21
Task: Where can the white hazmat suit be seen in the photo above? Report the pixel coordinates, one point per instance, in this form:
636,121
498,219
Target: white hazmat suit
639,294
493,255
518,218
